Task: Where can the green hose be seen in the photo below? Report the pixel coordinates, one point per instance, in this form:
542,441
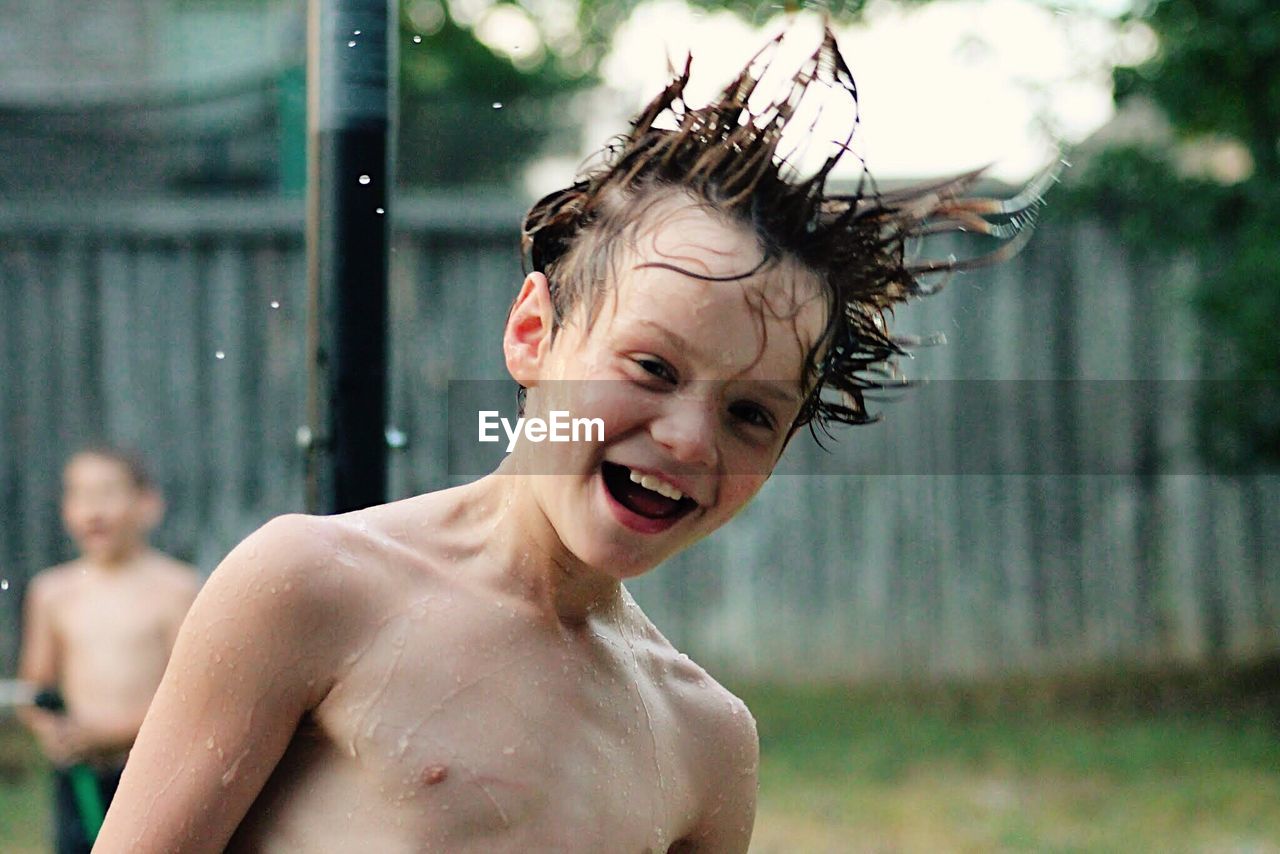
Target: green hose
84,782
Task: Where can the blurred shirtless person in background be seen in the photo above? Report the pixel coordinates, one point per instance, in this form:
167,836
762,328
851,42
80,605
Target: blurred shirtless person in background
97,634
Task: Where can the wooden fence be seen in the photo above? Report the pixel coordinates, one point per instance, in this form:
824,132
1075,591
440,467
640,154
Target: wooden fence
1028,510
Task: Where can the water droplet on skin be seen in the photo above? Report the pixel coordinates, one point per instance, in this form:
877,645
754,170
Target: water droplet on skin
230,773
208,745
365,179
219,355
417,39
508,750
497,105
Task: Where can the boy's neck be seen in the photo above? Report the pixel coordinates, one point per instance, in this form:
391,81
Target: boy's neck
117,561
534,565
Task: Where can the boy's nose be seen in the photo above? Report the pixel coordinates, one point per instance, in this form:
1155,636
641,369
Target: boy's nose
686,429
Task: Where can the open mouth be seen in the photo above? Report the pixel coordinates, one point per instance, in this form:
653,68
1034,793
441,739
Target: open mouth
627,489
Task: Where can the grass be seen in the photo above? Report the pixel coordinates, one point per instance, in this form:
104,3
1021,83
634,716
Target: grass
24,793
854,771
848,772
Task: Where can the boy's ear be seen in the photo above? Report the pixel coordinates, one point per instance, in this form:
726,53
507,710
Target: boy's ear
147,511
527,338
151,507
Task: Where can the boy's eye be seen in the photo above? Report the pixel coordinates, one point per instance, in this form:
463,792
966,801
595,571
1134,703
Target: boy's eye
657,368
752,414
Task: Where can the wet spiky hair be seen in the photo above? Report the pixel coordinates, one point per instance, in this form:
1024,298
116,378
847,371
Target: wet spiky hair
726,155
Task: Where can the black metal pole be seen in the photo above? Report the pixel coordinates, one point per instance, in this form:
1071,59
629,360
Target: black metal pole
350,74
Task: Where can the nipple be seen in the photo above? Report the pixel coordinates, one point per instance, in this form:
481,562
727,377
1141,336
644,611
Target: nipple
435,774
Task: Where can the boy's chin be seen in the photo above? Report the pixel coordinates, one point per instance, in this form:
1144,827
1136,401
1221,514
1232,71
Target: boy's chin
620,561
104,550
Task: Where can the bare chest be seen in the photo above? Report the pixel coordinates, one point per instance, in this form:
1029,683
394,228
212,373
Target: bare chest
496,736
111,622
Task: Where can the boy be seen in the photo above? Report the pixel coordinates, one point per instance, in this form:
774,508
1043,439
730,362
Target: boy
99,630
463,670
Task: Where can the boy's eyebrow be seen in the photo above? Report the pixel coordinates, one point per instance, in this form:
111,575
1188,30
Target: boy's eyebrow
770,388
677,342
775,390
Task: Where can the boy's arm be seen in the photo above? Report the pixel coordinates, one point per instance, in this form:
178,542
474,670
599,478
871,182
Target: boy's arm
188,587
258,649
38,665
69,740
732,782
38,659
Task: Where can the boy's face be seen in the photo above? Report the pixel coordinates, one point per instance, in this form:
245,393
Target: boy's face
106,513
697,383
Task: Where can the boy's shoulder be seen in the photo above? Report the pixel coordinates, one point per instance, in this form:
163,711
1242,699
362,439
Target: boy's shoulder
174,573
720,730
53,581
346,561
717,738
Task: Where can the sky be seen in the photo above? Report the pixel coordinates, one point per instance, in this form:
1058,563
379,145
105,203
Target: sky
943,88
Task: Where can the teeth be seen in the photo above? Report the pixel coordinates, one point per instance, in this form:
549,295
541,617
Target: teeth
661,487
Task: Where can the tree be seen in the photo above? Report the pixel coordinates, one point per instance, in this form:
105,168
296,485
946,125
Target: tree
483,107
1216,76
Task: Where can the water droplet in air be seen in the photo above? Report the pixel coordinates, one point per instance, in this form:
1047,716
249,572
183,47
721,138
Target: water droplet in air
365,179
351,44
497,105
417,39
4,584
219,355
355,32
380,211
275,303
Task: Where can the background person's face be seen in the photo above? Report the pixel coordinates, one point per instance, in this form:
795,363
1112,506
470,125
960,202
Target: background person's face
106,513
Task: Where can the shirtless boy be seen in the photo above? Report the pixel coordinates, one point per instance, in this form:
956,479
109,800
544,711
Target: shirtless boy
100,628
463,671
